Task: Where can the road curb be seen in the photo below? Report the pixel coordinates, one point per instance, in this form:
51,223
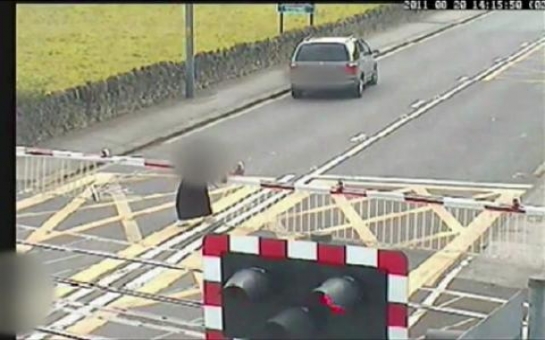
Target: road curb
281,92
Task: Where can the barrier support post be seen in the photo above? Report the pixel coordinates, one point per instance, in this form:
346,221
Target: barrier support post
536,313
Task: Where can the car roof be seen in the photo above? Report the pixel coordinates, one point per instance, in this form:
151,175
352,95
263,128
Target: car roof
341,40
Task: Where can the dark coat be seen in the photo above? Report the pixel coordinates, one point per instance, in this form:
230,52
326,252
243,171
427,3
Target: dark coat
192,201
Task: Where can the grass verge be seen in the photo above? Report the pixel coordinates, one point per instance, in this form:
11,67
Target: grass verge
62,46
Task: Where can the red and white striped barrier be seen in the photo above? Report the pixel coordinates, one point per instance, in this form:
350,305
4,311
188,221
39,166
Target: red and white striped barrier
104,157
339,189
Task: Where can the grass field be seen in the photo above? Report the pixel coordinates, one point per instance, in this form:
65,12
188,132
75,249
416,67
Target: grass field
61,46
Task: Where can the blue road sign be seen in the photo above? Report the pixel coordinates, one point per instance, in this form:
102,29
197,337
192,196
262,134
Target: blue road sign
297,8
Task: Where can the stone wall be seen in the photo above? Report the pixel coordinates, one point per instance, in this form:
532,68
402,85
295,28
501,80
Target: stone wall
40,118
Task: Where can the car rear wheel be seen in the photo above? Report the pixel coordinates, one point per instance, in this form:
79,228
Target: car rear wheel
296,94
359,87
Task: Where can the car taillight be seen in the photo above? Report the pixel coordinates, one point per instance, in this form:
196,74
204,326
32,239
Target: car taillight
351,69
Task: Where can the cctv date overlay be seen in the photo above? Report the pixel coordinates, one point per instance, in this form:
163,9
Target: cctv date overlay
482,5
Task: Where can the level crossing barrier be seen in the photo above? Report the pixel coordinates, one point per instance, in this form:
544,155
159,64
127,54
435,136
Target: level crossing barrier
504,229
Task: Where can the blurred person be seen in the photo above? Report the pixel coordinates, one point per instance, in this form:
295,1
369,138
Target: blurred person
193,200
201,163
26,293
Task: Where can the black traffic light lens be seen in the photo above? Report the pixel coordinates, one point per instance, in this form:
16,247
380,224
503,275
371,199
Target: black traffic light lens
250,284
321,300
292,323
337,294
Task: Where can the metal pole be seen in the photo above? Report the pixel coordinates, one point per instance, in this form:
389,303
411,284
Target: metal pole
536,313
189,53
281,23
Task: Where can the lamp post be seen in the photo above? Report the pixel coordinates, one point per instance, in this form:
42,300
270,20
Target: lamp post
189,52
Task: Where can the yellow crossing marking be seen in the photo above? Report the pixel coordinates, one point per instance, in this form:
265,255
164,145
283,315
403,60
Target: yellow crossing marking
109,265
99,223
154,239
354,218
125,212
135,302
428,272
88,325
416,241
100,205
62,190
451,222
378,218
331,206
425,274
45,229
109,220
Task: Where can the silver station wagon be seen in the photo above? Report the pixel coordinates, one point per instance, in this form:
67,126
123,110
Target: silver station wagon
333,63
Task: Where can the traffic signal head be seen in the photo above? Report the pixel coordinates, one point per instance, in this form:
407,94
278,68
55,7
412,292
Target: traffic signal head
260,288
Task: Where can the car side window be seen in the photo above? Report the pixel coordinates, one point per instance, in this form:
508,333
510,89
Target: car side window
364,47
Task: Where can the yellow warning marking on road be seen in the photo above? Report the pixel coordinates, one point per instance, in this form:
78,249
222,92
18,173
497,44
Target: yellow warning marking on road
162,281
333,205
108,265
391,216
109,220
169,277
43,232
428,272
376,219
153,240
99,223
132,231
136,302
422,240
131,199
329,230
354,218
62,190
451,222
513,62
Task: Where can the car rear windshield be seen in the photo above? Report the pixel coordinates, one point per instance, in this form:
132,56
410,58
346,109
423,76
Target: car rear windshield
322,52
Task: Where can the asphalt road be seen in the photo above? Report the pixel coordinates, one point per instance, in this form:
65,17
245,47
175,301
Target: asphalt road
292,136
489,131
492,132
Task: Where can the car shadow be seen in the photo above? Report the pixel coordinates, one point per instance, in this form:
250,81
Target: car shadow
329,95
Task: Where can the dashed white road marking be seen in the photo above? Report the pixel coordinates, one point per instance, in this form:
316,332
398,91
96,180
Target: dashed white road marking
463,78
418,103
358,138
